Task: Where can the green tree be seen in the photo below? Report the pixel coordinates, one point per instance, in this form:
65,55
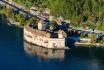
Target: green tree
7,12
93,38
20,18
53,25
75,10
32,20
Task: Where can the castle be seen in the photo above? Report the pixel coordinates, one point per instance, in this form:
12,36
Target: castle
39,36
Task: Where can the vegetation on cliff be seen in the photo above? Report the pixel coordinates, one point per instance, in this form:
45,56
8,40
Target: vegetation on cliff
17,17
86,13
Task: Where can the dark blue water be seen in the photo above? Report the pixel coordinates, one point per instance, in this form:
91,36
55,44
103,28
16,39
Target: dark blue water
13,56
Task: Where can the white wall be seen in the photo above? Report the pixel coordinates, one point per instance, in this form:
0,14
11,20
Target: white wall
39,40
58,43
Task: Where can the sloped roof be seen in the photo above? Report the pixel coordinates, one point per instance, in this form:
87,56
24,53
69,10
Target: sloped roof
37,32
42,22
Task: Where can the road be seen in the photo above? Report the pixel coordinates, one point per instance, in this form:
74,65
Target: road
20,8
89,31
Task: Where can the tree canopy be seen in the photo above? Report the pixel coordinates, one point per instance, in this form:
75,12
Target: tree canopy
78,11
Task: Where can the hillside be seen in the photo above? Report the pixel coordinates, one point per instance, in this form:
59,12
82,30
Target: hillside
86,13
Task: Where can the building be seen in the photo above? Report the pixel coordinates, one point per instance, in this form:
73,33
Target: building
44,38
61,34
41,25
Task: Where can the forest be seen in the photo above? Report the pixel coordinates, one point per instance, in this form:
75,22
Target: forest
86,13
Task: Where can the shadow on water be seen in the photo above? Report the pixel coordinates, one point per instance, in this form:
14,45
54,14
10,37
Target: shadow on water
11,37
7,32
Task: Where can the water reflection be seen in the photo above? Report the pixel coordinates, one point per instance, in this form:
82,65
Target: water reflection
43,53
12,56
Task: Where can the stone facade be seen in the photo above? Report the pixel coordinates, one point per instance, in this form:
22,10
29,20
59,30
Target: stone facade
42,38
61,34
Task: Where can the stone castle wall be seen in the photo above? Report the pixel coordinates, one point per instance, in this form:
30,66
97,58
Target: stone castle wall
43,40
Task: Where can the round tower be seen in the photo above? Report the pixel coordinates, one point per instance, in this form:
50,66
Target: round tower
61,34
41,25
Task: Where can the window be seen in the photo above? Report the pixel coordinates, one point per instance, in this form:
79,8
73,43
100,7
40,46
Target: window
45,41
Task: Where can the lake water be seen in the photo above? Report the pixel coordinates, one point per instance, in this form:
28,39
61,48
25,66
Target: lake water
15,54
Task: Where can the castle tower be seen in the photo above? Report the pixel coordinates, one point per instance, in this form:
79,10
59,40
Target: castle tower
41,25
61,34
